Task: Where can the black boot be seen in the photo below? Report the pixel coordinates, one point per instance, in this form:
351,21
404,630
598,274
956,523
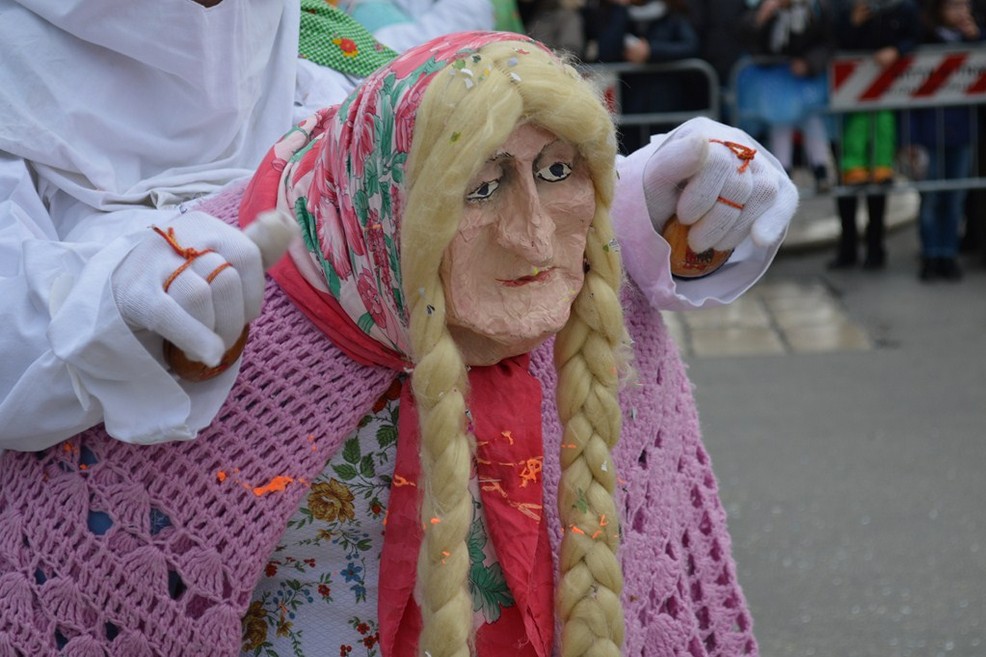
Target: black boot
876,256
929,269
845,257
948,268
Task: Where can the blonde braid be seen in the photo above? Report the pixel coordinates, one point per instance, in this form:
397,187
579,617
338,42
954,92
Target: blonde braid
449,146
587,358
458,126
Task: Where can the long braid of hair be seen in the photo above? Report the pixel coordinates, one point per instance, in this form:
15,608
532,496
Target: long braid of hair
439,384
587,356
451,138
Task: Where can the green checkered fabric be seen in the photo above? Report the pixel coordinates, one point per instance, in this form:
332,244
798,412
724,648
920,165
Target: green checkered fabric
330,37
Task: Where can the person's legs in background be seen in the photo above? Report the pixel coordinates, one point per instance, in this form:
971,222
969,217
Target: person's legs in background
941,214
928,232
815,140
952,206
782,145
876,255
884,146
846,249
854,163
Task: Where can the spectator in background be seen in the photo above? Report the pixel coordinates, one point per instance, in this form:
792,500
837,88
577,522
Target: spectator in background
885,28
649,32
799,31
974,236
717,23
556,23
946,134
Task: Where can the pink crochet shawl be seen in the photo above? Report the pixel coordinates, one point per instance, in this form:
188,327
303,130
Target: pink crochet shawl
184,530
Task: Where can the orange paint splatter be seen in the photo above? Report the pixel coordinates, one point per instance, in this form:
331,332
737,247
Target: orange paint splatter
531,471
577,530
509,436
221,476
276,485
435,521
401,481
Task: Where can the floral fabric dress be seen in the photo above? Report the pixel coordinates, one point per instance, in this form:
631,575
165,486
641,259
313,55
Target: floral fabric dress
319,590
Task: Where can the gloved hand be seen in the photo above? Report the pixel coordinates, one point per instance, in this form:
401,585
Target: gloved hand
197,281
720,183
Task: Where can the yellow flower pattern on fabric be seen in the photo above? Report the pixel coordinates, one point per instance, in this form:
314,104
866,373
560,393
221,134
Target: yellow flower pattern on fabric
254,626
330,501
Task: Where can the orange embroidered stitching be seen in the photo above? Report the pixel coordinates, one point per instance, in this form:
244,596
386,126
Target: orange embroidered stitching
188,253
215,272
732,204
745,153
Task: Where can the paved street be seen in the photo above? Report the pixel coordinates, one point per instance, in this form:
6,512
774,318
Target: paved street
855,474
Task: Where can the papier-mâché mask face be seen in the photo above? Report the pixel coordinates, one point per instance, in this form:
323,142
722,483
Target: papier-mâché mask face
516,263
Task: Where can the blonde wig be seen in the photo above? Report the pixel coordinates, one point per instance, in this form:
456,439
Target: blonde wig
458,125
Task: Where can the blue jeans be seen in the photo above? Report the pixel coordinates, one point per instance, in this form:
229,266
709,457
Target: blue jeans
941,212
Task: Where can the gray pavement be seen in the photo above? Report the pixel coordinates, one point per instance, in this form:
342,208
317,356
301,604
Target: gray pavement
855,481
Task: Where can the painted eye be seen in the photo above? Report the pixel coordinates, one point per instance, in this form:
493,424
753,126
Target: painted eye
555,172
484,191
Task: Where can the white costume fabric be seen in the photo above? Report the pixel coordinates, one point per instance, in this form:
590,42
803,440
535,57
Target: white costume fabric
113,115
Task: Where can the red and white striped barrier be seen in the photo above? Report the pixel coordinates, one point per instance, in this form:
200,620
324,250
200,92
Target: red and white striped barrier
927,77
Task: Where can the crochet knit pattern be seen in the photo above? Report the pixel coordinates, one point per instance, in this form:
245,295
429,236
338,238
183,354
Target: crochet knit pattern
115,550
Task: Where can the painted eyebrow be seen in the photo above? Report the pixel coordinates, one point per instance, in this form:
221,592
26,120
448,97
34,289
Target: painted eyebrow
502,155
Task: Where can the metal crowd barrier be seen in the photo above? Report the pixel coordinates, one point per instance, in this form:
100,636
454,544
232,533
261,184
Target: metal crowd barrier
610,78
903,107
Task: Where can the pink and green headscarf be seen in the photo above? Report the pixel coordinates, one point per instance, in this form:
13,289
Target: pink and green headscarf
341,173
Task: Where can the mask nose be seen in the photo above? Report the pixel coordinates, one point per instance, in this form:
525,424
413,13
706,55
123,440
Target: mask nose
525,228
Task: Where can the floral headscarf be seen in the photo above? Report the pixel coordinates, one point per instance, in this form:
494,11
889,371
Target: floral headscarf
348,192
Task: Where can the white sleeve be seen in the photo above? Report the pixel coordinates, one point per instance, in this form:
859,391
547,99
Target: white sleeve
318,87
646,255
433,19
68,360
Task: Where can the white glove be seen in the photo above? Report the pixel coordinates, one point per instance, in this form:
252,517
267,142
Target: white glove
699,174
210,296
